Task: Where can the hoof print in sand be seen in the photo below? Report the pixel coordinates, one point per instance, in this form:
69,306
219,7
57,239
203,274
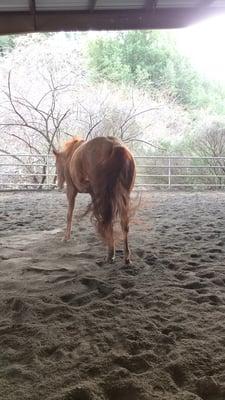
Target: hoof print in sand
124,390
95,288
103,288
151,259
127,284
130,269
177,372
194,285
170,265
209,389
136,364
79,393
212,299
73,299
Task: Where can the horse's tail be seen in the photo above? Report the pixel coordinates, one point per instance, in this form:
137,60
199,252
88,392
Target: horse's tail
114,181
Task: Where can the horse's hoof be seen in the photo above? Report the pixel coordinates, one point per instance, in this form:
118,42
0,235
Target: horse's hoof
111,260
106,260
100,263
128,261
65,239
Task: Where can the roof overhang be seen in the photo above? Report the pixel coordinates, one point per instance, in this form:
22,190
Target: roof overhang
20,16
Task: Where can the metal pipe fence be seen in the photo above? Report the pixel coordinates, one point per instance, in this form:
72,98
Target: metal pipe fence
37,172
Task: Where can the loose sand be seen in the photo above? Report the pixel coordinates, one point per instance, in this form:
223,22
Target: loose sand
73,329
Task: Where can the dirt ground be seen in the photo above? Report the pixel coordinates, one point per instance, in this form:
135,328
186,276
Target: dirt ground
73,329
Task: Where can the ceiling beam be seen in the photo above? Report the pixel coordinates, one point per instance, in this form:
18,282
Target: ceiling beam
164,18
16,23
205,3
92,4
32,7
150,4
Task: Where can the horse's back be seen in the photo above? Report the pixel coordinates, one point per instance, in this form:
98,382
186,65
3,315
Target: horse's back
102,145
96,151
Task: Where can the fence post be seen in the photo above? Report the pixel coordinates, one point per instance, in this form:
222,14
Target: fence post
169,172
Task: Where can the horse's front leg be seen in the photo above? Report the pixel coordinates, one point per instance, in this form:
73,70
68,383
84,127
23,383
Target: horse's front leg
71,195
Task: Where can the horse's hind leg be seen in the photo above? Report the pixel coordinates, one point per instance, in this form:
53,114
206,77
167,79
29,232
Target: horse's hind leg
71,195
111,246
125,229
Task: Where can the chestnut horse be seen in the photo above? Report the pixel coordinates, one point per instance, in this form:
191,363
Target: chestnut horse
104,168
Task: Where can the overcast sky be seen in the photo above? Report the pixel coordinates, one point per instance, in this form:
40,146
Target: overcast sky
204,44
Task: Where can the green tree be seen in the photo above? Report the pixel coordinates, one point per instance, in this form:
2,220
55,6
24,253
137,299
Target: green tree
7,43
150,59
141,57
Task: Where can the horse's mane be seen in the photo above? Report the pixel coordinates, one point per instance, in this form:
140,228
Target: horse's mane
70,145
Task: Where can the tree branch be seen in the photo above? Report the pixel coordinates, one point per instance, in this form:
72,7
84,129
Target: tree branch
24,141
92,128
56,130
13,156
139,113
11,101
146,142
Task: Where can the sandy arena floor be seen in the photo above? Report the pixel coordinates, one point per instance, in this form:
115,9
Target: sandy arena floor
73,329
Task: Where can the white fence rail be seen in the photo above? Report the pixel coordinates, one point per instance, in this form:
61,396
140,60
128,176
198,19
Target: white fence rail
32,172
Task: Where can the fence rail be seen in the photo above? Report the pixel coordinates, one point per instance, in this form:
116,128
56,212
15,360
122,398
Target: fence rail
32,172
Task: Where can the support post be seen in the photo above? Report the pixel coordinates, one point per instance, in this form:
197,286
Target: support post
47,170
169,172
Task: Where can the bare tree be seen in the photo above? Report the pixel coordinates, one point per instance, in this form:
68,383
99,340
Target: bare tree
209,143
114,115
37,126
